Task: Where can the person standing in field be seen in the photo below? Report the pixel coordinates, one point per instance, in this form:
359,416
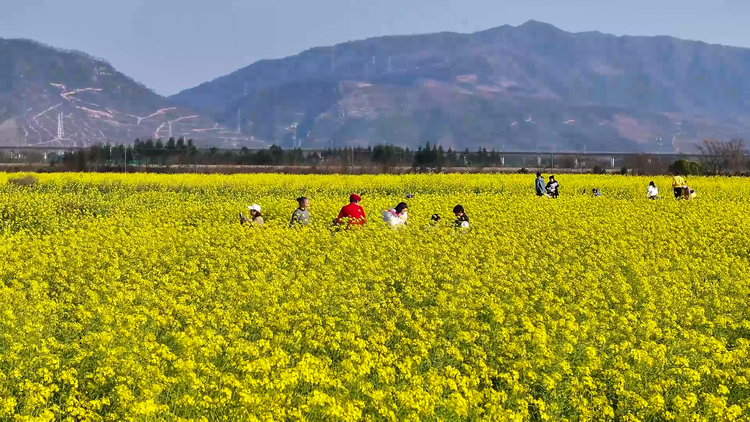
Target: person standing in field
652,192
353,213
396,216
678,184
301,216
462,220
256,219
539,184
553,188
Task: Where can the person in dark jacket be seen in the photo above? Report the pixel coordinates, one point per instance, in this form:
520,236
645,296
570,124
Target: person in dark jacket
462,220
539,185
301,216
553,188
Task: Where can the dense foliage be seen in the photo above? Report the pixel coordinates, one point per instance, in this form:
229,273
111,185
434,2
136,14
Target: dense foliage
140,297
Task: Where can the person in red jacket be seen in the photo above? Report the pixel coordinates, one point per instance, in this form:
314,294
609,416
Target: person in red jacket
353,212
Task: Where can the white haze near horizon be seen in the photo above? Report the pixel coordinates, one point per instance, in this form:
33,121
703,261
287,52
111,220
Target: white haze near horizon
171,45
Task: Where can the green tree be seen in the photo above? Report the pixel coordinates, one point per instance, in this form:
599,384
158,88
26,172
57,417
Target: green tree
686,167
277,153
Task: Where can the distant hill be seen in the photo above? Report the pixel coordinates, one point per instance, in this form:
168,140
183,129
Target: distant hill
514,88
98,103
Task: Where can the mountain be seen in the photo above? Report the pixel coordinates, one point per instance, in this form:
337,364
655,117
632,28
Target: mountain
513,88
41,86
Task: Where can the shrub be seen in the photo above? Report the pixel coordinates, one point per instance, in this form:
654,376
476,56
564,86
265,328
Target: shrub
686,167
21,181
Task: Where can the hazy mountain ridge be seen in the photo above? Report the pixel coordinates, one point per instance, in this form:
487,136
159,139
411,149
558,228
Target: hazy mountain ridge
515,88
41,86
525,87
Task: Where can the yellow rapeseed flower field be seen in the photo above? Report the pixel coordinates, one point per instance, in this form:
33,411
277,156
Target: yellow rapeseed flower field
140,297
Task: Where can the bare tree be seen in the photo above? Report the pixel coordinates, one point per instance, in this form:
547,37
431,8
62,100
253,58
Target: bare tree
736,154
714,154
719,156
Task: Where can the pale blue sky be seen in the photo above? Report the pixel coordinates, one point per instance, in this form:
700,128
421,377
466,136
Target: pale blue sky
170,45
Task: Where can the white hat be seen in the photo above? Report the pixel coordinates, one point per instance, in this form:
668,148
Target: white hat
254,207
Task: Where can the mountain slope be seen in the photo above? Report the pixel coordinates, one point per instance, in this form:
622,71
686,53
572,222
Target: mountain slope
525,87
41,86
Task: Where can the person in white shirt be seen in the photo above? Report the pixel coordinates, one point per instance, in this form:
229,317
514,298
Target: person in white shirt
653,191
396,216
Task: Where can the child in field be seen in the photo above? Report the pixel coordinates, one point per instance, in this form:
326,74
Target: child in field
301,216
434,222
462,220
553,188
652,192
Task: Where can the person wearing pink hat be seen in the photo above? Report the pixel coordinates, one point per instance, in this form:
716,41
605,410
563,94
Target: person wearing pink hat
353,213
256,219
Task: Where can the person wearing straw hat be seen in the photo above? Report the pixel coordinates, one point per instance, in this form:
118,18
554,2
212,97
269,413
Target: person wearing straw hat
256,219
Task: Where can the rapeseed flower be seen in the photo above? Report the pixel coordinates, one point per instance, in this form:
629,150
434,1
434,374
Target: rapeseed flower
141,297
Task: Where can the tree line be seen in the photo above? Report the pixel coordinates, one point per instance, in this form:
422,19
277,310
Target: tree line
185,152
716,157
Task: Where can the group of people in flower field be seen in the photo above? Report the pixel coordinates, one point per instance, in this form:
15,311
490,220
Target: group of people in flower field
552,188
353,214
